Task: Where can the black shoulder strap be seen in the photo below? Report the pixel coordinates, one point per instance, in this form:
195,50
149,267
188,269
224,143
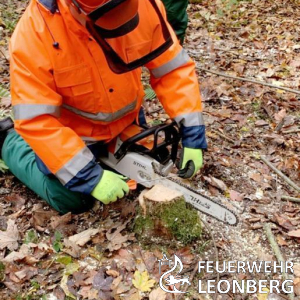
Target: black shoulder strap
50,4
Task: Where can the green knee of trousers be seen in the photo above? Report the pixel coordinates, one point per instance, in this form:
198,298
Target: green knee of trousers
20,159
177,16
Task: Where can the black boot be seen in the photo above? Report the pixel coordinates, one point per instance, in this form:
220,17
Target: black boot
5,125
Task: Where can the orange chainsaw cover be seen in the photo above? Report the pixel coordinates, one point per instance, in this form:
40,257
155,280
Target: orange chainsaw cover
65,97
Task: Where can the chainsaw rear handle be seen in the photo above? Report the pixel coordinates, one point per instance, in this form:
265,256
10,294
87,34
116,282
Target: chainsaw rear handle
171,138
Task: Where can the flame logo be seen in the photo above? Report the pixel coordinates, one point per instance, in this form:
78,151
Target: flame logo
173,280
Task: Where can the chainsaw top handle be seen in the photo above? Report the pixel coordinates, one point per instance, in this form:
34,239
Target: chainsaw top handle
163,136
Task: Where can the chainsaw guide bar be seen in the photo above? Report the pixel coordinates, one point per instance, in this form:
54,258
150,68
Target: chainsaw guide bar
202,203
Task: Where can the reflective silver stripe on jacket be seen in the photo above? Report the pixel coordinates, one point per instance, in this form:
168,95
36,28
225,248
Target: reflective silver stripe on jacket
190,119
74,165
30,111
179,60
100,116
89,139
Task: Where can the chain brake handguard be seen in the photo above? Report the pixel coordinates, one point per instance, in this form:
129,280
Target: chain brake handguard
159,151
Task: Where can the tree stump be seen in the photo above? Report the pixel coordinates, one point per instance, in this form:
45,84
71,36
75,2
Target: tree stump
164,215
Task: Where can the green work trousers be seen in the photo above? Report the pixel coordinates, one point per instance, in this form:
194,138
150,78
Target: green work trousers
20,159
177,16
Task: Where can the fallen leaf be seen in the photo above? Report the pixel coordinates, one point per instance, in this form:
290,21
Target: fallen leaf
259,193
57,221
71,248
125,259
13,286
65,260
296,282
142,282
64,286
16,201
235,196
280,115
10,237
6,101
258,44
103,284
120,287
295,63
216,183
157,294
88,293
133,295
261,123
185,255
112,273
128,210
17,256
40,218
281,241
116,239
263,296
284,222
296,268
294,233
58,293
256,177
83,237
13,256
69,270
26,273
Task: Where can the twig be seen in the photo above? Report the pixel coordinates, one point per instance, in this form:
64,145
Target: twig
4,55
292,199
279,173
280,125
142,257
291,131
190,279
223,136
250,80
50,264
216,252
276,251
225,274
282,296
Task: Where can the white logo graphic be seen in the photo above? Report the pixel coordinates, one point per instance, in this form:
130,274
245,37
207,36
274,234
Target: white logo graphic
171,280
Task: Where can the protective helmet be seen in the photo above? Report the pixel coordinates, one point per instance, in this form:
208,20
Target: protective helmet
108,14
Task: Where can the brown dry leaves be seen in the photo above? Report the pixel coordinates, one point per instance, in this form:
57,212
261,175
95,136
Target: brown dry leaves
256,39
10,237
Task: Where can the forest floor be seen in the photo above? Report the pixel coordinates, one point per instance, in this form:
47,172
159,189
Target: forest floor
41,255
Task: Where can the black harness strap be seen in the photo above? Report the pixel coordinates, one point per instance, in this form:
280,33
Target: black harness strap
50,5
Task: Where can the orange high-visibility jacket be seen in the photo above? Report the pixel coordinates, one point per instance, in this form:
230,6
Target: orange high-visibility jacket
65,97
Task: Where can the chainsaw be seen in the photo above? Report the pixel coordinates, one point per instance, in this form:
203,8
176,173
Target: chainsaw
148,157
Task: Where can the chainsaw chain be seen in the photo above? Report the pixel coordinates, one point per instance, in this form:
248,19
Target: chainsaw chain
158,172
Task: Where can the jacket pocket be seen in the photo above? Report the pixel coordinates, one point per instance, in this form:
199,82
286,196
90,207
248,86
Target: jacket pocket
75,85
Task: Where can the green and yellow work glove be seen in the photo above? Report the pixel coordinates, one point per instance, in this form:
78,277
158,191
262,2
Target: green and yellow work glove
190,162
111,187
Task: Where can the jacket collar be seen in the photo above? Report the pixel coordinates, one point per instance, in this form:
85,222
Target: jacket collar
50,5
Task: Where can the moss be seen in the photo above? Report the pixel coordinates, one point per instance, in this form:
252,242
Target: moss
182,221
176,219
143,224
